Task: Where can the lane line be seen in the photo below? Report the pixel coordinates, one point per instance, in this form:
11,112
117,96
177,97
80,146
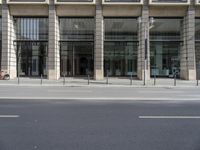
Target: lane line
9,116
169,117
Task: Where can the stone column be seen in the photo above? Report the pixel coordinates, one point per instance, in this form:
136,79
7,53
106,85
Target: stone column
99,43
187,54
8,61
143,25
54,50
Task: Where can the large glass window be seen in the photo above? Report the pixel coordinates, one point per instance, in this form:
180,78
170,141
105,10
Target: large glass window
31,28
32,46
0,41
122,1
197,45
165,44
77,46
120,46
170,1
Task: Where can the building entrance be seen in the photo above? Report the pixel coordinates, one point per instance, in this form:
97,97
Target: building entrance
31,59
77,58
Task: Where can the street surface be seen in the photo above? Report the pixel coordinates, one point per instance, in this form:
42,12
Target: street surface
99,125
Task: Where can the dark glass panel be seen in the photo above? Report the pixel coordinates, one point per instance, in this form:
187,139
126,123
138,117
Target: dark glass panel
32,58
170,1
166,29
120,58
77,29
165,58
120,29
76,58
31,28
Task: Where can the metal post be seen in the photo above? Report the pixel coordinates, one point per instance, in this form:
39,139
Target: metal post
145,55
175,79
197,77
107,77
155,75
88,79
41,78
64,79
131,79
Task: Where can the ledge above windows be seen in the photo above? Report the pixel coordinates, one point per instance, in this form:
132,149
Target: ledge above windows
169,2
27,1
79,2
122,2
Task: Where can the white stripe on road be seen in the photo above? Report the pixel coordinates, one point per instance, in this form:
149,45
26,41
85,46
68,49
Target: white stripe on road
169,117
9,116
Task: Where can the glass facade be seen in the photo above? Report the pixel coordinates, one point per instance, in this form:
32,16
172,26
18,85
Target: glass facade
197,45
74,0
170,1
77,46
0,41
122,1
120,46
32,46
165,45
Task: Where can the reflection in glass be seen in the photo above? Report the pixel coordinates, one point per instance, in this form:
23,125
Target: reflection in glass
77,58
76,46
31,28
197,45
165,56
32,58
120,58
165,41
120,46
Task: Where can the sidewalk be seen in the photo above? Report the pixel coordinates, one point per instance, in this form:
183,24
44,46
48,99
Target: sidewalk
112,82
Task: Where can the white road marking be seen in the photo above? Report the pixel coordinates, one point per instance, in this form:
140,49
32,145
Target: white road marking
169,117
9,116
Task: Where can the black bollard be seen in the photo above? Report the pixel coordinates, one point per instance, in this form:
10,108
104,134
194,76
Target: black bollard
131,79
64,79
41,78
175,79
107,77
88,79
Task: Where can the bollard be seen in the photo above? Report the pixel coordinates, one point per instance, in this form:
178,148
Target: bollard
88,79
41,79
18,80
64,79
131,79
107,77
197,77
175,79
154,78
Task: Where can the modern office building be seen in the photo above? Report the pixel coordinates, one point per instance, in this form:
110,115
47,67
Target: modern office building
118,38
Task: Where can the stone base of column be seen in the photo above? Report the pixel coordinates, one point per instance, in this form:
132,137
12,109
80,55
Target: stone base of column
140,74
188,75
12,72
98,75
53,75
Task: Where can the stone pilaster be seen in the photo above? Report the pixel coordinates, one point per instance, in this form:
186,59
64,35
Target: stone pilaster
187,54
8,62
143,28
54,51
99,43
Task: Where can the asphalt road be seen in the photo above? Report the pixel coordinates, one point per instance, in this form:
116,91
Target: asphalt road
99,125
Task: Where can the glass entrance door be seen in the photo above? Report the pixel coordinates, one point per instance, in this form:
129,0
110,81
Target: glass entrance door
31,58
77,58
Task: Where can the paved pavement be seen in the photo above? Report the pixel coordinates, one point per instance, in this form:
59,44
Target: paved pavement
99,93
122,82
99,125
